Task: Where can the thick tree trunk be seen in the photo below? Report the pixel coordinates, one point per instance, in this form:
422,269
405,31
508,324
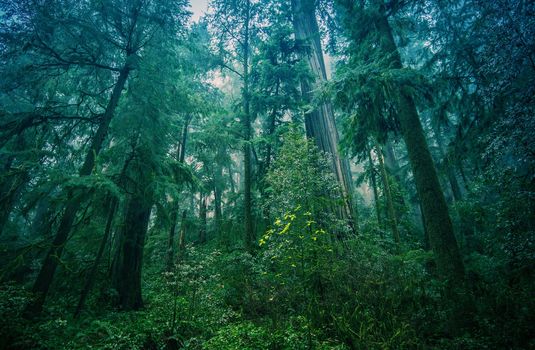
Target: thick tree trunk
320,123
126,272
434,207
90,279
46,274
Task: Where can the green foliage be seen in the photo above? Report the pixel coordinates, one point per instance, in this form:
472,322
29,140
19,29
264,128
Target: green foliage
301,176
468,65
239,336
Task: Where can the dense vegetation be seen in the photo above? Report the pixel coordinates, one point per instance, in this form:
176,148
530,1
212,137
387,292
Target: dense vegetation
177,183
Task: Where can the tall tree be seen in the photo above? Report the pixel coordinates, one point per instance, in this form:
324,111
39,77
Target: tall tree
235,25
320,122
378,40
124,29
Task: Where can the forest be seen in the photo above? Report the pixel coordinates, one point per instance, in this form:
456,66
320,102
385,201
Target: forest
267,174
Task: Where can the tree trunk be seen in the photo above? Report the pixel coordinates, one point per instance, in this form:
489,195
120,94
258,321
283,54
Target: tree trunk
202,218
388,195
175,207
391,162
46,274
218,191
272,124
434,207
112,206
184,139
126,272
182,236
249,237
171,239
320,123
427,245
231,179
463,175
374,187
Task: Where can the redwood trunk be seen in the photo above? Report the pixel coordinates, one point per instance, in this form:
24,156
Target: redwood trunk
320,123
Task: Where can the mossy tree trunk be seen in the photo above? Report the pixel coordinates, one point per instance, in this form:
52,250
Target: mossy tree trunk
438,222
126,272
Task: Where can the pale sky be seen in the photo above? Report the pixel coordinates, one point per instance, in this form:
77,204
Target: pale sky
198,7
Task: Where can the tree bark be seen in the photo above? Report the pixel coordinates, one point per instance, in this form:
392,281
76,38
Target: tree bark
320,122
435,209
126,272
438,223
